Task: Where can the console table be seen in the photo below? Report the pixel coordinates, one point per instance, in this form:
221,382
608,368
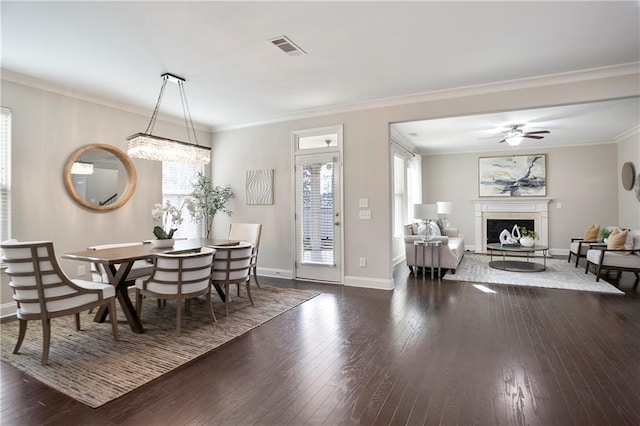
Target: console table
517,265
436,245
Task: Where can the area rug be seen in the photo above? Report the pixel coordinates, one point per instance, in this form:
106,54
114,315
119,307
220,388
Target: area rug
559,274
89,366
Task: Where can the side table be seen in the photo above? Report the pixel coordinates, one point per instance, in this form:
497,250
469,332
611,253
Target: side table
436,246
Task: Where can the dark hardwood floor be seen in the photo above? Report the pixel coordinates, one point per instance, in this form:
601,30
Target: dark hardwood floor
426,353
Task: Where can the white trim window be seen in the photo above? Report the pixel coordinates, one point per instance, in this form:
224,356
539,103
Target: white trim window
177,183
5,173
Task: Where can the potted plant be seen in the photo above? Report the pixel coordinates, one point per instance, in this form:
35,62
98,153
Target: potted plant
527,237
169,217
604,234
209,200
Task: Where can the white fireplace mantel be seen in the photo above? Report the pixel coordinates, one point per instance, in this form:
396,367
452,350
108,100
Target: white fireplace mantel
536,209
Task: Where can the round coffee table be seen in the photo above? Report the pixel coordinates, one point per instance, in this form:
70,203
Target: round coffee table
517,265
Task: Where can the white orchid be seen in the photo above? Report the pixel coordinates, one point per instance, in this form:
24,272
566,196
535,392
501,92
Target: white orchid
169,217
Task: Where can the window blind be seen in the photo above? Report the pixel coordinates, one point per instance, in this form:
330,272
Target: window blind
315,212
399,196
5,173
177,183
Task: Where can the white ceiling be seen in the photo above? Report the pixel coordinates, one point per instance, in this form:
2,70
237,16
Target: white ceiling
358,53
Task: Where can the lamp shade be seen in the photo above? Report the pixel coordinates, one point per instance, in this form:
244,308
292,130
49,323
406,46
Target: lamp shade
445,207
425,211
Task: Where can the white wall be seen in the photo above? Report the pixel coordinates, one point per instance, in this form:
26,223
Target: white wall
628,204
48,127
581,179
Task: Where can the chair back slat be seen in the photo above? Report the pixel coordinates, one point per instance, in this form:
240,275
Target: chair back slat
249,232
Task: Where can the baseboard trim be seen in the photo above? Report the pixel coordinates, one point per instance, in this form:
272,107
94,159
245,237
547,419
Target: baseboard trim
275,273
7,310
366,282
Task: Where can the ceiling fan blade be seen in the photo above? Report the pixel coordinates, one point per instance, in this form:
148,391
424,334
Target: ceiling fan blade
537,132
532,137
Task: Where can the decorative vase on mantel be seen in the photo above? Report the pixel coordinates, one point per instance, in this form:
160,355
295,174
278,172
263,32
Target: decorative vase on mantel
165,243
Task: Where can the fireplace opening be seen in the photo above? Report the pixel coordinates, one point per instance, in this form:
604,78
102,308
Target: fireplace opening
496,226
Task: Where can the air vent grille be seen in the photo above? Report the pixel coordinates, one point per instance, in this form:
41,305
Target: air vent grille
287,46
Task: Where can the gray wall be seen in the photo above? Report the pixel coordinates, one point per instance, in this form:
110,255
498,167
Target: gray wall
49,126
583,180
628,204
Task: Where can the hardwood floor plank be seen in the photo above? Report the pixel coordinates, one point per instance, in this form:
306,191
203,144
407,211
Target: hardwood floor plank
430,352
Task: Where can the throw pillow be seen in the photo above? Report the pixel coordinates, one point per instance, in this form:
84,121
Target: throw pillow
616,239
441,226
433,230
591,233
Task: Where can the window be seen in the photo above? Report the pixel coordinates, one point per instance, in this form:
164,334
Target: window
5,174
177,183
399,195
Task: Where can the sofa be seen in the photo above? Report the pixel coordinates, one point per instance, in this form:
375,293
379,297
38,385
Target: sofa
451,253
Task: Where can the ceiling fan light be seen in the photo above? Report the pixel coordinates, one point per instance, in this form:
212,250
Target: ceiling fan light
513,140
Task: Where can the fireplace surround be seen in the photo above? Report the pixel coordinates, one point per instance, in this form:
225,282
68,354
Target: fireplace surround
536,209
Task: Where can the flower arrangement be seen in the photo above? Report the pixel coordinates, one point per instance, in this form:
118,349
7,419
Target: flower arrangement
209,200
169,217
524,232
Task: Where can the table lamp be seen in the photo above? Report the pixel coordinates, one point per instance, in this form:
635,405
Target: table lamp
445,208
425,212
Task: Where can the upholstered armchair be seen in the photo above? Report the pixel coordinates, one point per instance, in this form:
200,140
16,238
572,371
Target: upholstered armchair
249,232
580,245
178,277
606,258
232,265
451,251
43,291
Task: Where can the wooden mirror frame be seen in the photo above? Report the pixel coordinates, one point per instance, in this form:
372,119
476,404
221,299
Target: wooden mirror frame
129,168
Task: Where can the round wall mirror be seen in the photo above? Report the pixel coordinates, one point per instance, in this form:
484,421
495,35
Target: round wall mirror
100,177
627,175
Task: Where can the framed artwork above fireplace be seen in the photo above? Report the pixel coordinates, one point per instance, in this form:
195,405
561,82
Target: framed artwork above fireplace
512,176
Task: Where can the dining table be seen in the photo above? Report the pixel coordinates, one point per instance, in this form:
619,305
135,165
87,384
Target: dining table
118,261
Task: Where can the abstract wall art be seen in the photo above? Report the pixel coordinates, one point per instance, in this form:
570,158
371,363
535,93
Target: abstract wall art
259,186
513,176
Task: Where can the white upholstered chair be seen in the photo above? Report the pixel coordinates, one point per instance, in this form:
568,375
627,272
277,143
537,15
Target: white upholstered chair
232,265
43,291
178,277
249,232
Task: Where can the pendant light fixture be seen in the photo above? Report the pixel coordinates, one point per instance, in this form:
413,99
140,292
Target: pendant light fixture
151,147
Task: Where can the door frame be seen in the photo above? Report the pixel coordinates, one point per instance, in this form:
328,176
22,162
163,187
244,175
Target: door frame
295,134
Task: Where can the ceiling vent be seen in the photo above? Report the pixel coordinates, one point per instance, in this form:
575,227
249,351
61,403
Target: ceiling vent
287,46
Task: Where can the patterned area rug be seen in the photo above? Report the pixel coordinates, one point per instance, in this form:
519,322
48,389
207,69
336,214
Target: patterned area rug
559,274
89,366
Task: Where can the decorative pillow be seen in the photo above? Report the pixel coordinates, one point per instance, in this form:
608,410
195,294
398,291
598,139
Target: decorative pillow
616,239
441,226
591,233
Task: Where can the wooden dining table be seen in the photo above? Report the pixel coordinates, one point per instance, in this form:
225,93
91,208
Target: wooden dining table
118,262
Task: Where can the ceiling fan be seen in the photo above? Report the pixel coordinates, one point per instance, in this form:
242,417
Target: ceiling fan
514,135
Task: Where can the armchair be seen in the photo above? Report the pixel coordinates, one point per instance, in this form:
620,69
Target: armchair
43,291
616,259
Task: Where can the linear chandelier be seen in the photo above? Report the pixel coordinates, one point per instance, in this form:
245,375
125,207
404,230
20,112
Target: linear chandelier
151,147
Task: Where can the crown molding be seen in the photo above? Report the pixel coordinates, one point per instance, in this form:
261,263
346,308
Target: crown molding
48,86
627,134
631,68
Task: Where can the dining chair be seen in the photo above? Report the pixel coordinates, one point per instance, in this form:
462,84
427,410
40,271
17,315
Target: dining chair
43,291
249,232
178,277
232,265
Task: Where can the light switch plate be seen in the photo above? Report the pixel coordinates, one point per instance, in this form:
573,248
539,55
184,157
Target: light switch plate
363,203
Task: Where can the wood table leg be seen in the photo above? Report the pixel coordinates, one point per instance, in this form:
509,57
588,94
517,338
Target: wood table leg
117,278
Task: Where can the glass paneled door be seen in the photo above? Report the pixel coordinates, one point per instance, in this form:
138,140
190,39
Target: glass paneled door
318,217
